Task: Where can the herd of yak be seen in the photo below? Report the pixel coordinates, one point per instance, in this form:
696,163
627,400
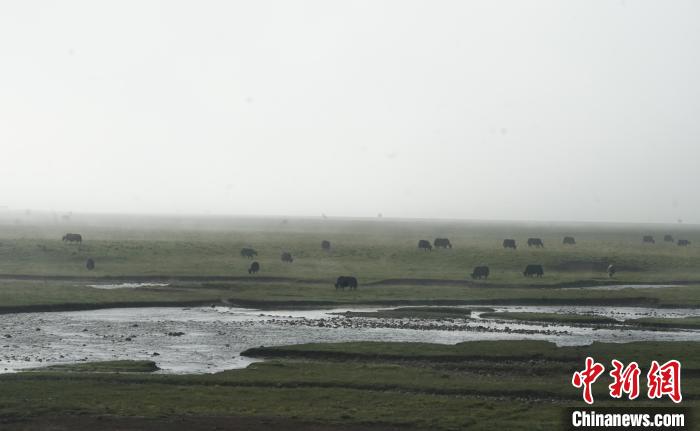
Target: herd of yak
479,272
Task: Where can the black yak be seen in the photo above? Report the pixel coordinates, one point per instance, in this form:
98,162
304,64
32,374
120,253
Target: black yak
535,242
286,257
343,281
532,270
248,252
509,243
442,243
481,272
569,240
73,237
424,245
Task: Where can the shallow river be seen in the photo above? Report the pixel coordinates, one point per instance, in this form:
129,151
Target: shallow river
204,340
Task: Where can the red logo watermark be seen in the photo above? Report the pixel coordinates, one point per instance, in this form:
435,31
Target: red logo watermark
665,380
587,377
662,380
626,380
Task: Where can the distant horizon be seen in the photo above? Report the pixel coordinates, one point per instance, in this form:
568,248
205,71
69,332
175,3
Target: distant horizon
212,215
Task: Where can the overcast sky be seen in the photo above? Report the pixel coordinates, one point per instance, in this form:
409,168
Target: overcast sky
529,110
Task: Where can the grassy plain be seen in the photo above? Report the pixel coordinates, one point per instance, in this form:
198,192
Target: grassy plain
476,385
551,317
373,250
414,313
17,296
587,319
509,385
200,258
682,322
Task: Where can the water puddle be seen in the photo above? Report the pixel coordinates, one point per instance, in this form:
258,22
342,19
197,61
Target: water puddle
127,285
625,286
205,340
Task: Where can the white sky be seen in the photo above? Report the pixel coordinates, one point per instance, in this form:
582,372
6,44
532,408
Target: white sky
549,110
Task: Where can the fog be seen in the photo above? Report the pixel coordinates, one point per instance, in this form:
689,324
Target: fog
506,110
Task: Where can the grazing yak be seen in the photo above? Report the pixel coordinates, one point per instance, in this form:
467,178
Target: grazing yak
342,282
535,242
683,242
611,270
248,252
90,264
648,239
325,245
442,243
668,238
73,237
287,257
532,270
424,244
569,240
509,243
481,272
254,268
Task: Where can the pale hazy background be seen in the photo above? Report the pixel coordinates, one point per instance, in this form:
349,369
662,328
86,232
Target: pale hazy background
532,110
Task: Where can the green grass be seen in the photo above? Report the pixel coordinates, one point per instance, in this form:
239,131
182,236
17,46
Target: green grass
524,350
551,318
514,385
57,295
682,322
18,294
414,313
371,250
382,254
105,367
285,294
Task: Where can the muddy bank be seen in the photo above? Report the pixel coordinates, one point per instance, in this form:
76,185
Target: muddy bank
629,302
156,278
414,324
316,304
593,282
55,308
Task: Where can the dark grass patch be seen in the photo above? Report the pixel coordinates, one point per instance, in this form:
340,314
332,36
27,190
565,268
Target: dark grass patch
551,318
514,385
414,313
683,323
525,350
105,367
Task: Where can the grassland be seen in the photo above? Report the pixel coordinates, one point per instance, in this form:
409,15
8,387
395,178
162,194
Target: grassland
201,261
586,319
440,313
372,250
682,322
106,367
551,318
477,385
414,313
509,385
19,296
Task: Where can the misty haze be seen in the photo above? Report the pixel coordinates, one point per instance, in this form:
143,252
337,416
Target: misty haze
349,215
505,110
